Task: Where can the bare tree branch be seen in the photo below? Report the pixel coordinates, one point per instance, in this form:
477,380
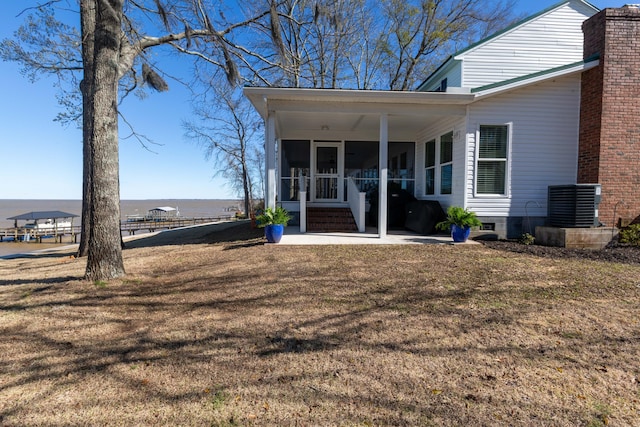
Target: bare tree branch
144,140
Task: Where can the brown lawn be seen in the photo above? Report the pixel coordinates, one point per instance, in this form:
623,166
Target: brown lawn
222,330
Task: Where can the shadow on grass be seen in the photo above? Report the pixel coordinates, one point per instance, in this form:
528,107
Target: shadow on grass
280,344
48,253
238,234
51,280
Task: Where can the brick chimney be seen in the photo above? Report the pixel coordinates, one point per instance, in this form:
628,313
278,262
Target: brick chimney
609,147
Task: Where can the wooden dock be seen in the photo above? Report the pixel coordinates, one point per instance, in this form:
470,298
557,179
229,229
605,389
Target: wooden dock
21,234
132,226
26,235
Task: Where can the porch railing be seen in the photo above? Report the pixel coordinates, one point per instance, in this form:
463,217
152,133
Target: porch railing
357,190
356,201
291,187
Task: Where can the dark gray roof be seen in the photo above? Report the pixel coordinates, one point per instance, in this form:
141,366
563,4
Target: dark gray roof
44,215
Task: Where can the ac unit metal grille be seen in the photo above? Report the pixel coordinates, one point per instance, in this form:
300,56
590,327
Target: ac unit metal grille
573,206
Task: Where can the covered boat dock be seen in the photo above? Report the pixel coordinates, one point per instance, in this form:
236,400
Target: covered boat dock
41,224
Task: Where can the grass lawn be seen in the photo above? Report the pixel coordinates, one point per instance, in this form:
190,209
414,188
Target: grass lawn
224,331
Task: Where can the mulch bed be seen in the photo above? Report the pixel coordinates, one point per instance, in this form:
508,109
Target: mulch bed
614,252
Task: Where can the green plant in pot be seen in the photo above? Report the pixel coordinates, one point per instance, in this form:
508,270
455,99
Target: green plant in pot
273,221
459,222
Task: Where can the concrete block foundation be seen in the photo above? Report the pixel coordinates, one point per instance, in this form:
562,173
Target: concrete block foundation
575,238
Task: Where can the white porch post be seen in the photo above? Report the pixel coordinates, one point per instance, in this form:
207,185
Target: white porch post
302,196
270,161
382,183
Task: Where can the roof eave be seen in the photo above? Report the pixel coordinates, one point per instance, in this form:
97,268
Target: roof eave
519,82
260,97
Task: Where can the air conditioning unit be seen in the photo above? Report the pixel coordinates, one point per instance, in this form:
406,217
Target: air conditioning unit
573,206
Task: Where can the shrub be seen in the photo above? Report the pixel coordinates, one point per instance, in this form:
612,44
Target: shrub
631,235
527,239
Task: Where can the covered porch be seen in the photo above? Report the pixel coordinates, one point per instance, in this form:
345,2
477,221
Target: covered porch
347,148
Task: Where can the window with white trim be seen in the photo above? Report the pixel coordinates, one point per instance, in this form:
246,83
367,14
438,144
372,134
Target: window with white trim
430,167
493,149
446,163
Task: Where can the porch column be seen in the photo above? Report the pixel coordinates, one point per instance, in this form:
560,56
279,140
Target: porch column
382,183
270,161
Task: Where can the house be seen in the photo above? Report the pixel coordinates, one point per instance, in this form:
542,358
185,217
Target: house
552,100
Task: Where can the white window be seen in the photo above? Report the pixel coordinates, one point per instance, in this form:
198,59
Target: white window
446,163
438,165
430,168
493,149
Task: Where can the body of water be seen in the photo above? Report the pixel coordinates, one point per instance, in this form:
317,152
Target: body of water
189,208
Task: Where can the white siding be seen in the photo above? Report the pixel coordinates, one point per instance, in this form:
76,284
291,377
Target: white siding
457,125
544,144
453,76
547,41
452,72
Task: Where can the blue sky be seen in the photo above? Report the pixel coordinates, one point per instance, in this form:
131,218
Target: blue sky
40,159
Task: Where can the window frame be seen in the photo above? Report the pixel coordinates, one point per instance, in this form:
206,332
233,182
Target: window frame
438,165
506,160
433,167
442,165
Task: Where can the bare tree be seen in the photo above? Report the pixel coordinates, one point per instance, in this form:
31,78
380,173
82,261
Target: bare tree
105,252
364,44
304,43
118,45
46,46
227,130
88,26
420,31
257,164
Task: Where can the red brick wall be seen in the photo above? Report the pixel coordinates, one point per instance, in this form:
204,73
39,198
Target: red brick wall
609,149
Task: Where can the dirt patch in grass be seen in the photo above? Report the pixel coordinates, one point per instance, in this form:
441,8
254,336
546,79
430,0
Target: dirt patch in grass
222,330
614,252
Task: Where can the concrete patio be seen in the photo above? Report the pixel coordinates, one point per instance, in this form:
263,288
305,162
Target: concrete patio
292,236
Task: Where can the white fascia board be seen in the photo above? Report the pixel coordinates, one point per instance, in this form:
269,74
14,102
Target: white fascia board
263,98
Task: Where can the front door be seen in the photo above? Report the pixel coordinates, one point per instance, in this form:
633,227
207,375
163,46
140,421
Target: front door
328,166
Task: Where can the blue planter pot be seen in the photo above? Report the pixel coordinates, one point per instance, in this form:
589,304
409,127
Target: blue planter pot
460,234
274,233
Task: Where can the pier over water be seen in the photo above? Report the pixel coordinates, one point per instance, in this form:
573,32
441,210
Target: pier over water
24,234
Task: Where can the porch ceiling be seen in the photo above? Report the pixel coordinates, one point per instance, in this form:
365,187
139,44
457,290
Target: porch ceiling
349,126
351,114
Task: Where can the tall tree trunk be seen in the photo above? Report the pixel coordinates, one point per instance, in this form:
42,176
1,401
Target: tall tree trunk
105,253
248,204
88,26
